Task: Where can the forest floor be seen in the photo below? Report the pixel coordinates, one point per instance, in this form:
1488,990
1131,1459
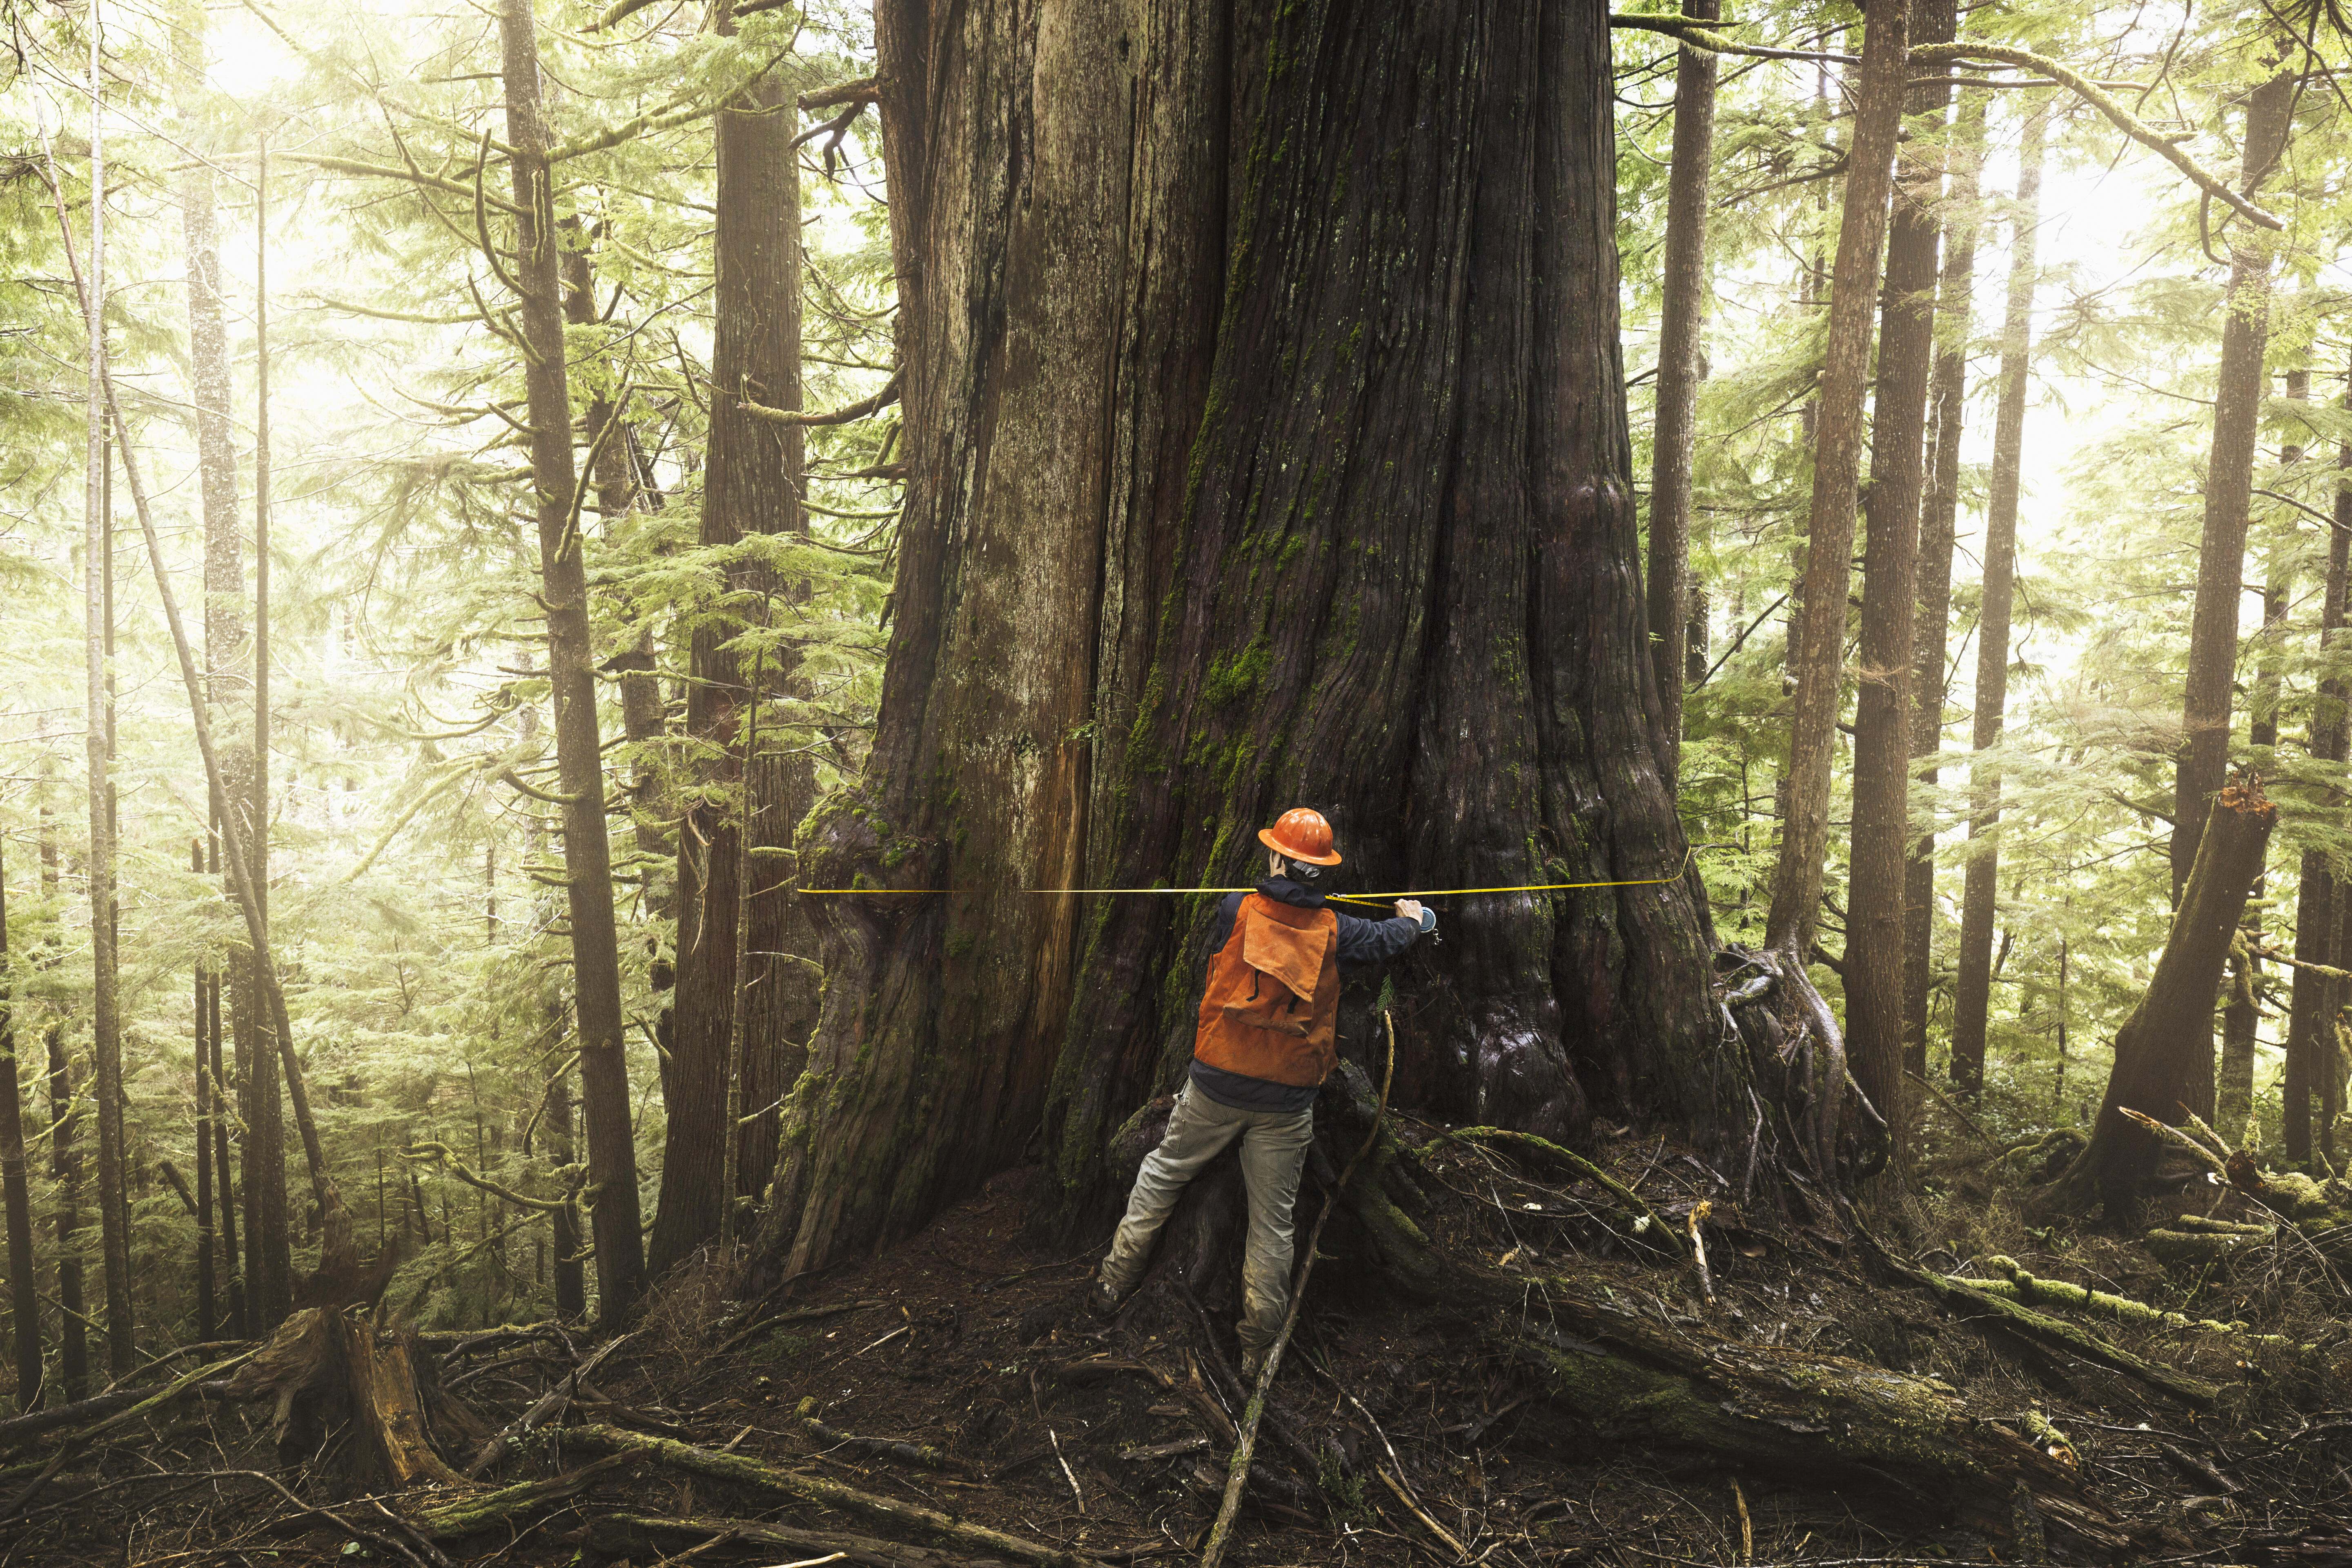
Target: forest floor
1396,1435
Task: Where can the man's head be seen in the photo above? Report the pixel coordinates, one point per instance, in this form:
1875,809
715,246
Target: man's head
1299,844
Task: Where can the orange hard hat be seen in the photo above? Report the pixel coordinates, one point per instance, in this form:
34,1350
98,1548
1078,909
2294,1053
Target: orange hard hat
1301,834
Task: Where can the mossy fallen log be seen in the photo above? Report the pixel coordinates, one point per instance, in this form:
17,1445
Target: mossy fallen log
486,1510
923,1453
2035,1291
925,1524
1974,1304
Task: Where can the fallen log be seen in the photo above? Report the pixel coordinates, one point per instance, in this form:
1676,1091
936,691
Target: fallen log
924,1523
923,1453
544,1409
81,1439
484,1509
647,1535
1974,1304
2035,1291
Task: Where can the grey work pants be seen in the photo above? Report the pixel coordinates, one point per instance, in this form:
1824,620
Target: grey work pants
1274,1150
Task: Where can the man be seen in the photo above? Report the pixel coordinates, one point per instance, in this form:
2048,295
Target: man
1266,1038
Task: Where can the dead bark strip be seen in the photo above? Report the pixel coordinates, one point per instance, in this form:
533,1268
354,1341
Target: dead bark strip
648,1535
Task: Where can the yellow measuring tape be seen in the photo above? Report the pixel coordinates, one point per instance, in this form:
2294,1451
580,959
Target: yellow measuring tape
1329,898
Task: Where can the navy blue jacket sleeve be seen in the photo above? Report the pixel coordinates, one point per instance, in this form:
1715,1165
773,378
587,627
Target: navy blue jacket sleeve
1221,930
1375,942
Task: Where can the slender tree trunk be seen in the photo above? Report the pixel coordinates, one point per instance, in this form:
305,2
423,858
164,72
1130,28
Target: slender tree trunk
1972,987
207,1285
2233,1086
1890,587
1364,538
1938,533
587,852
1682,317
2164,1052
16,1195
2319,895
1837,463
65,1170
571,1280
751,486
2204,755
106,1026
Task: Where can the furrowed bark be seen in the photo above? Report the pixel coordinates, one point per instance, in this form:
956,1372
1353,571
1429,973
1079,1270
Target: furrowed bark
1381,510
1055,435
1938,531
1682,317
1881,843
2164,1052
1972,987
1819,663
15,1196
729,882
2204,755
587,852
2319,896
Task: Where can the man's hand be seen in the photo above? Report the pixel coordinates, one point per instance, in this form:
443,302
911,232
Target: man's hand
1409,909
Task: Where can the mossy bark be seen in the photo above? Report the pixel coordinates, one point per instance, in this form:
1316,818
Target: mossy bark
1267,446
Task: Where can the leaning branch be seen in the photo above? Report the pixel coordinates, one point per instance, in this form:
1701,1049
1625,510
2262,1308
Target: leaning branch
441,1155
2123,119
858,410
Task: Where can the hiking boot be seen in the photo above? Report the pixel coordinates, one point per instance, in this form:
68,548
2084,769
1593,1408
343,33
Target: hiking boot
1252,1365
1102,1299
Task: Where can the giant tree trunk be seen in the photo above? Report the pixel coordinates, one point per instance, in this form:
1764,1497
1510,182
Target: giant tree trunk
1818,662
2164,1052
2319,896
2204,753
15,1196
753,487
1972,985
572,677
1882,717
1938,533
1681,315
1366,542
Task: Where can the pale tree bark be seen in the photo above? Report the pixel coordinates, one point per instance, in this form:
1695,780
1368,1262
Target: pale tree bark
1819,662
1881,843
2204,755
571,675
1682,317
732,886
1972,985
2319,898
207,1280
1938,534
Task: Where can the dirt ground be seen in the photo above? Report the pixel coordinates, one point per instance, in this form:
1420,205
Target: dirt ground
1396,1435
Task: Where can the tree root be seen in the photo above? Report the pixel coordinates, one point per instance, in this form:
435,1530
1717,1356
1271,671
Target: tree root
923,1522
